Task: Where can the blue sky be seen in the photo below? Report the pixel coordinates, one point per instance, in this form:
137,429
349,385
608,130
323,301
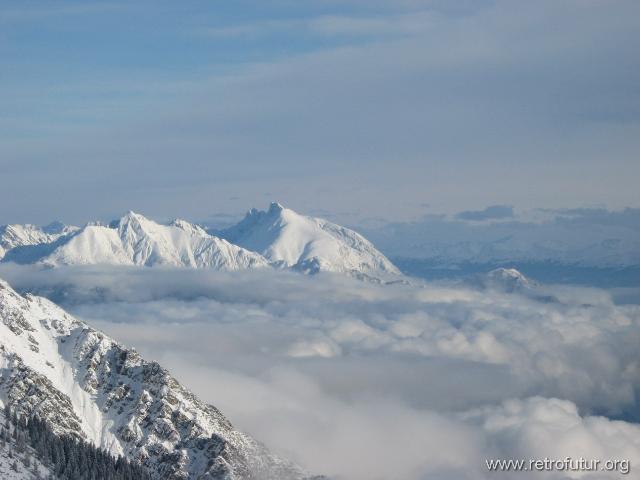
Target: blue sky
389,109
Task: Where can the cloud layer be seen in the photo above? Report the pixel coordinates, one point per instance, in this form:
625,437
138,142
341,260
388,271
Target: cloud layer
490,213
404,382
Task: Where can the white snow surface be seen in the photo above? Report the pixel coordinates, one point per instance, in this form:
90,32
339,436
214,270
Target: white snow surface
306,243
85,384
12,236
278,237
136,240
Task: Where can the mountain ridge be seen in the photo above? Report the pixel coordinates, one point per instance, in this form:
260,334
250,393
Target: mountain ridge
85,384
278,237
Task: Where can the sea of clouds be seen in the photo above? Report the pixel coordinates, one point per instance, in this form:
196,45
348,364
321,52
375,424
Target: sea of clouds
364,381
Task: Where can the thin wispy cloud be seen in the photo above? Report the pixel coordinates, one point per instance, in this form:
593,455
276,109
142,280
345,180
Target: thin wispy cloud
330,26
492,212
501,104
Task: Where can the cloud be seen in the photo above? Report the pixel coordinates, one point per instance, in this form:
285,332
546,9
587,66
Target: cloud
580,346
624,218
489,213
477,108
407,382
539,428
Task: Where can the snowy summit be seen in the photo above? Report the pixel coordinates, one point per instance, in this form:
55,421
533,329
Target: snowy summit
306,243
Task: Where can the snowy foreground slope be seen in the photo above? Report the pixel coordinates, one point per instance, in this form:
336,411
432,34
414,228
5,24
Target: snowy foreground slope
278,237
84,384
307,244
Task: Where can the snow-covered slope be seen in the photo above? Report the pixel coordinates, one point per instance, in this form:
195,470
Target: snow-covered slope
12,236
136,240
278,237
86,385
307,244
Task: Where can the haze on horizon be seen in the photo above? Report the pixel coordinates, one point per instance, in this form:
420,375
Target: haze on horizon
361,109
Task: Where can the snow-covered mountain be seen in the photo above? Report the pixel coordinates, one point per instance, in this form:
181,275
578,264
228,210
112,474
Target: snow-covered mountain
507,279
84,384
307,244
277,237
136,240
12,236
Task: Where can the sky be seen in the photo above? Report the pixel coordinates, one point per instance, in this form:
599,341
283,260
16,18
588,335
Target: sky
389,109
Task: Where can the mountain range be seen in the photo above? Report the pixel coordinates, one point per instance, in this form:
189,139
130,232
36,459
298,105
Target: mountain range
275,238
595,238
85,386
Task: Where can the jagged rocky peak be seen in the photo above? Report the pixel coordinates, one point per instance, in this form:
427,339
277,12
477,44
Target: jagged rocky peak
84,384
191,228
56,228
275,207
275,212
18,236
132,219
